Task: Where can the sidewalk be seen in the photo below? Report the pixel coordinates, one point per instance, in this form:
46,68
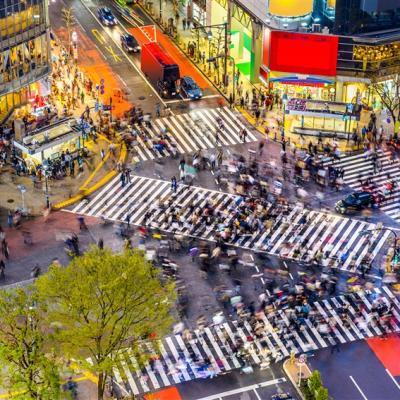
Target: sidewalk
96,171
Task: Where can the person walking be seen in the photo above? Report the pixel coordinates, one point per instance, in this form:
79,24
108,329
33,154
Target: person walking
128,219
9,219
182,168
2,269
174,184
122,179
102,154
335,347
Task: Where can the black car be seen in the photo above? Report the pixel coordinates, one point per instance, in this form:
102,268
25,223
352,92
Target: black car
355,202
129,43
106,16
190,89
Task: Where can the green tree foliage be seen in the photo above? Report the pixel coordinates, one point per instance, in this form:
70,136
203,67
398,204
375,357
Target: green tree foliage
322,394
29,367
103,303
314,381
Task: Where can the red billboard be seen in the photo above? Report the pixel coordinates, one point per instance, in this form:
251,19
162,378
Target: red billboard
303,53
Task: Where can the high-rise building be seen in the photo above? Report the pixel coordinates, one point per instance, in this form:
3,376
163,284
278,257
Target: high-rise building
24,52
355,17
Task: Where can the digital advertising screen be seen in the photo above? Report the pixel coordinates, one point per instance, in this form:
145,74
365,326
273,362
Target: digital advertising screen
300,53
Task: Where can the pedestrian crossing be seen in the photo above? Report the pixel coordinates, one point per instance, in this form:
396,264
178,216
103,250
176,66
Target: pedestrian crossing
210,351
192,132
360,166
298,234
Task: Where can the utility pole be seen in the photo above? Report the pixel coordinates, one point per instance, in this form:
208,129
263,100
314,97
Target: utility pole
69,21
226,56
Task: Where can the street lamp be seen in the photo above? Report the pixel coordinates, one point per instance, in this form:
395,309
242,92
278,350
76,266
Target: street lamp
22,189
46,182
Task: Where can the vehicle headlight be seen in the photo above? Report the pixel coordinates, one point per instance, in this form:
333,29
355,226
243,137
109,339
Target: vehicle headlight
191,95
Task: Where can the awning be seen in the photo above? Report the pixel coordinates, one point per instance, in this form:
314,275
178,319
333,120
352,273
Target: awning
308,81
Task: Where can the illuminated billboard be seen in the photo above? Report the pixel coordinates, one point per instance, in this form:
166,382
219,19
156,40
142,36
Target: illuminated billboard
303,53
290,8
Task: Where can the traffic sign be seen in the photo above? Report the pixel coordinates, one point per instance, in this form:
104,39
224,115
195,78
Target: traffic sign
301,359
22,188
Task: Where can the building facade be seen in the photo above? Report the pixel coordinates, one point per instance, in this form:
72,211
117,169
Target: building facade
323,49
24,52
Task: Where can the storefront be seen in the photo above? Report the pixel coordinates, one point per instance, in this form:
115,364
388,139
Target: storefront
290,86
297,65
23,101
51,141
319,118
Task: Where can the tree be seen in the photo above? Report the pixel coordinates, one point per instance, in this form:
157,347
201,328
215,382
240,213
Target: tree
28,364
103,303
389,94
322,394
69,21
314,381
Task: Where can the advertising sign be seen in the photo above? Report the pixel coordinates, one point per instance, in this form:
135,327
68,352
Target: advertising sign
303,53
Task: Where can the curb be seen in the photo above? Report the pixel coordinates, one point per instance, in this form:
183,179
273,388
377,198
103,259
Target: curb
96,186
294,384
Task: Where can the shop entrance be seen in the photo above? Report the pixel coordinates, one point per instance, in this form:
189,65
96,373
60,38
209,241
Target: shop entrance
325,92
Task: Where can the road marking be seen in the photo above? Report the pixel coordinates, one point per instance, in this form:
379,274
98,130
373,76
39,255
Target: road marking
112,52
255,392
392,378
358,387
102,54
244,389
98,36
126,56
211,96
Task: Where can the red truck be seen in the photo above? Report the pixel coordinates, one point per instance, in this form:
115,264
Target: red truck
160,69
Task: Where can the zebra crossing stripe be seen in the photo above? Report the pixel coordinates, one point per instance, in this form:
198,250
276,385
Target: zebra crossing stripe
218,341
358,166
142,196
191,134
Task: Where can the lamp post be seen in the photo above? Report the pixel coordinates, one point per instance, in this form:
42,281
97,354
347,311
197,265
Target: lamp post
46,183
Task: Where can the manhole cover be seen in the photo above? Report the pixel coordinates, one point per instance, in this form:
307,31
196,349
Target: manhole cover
10,201
142,98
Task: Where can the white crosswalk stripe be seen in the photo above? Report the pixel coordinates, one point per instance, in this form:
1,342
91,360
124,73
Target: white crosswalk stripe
191,132
297,235
182,360
359,166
